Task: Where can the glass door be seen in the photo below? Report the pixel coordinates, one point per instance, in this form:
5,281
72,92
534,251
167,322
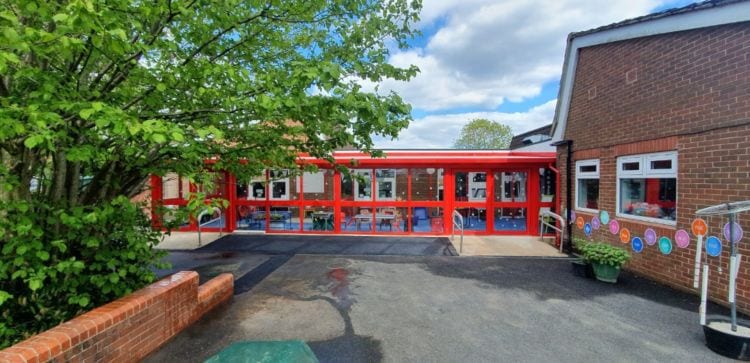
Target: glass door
471,198
510,201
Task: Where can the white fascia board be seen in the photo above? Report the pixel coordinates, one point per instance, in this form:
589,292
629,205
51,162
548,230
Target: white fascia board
728,14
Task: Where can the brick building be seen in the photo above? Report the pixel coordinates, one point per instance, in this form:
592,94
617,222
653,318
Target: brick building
652,124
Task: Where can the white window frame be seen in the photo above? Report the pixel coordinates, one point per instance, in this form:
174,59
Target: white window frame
586,175
645,172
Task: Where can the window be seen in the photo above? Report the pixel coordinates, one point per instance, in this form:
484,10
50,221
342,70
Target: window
647,187
279,184
385,183
587,184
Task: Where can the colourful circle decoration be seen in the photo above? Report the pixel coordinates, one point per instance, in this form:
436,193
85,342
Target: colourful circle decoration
682,238
624,235
637,244
595,223
614,227
737,232
713,246
650,236
604,217
587,229
579,222
665,245
699,227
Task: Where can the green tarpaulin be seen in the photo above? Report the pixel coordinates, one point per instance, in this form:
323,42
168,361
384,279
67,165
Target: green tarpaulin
291,351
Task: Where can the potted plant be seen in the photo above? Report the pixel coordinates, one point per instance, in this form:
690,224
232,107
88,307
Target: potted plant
605,259
581,267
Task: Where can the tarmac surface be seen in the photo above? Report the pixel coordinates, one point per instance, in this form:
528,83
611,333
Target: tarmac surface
437,308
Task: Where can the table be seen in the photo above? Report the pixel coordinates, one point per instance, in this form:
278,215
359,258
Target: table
382,217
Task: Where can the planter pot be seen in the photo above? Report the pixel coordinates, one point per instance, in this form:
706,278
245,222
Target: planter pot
721,339
582,269
606,273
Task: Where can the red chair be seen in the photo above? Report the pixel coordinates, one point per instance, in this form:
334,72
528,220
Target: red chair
436,224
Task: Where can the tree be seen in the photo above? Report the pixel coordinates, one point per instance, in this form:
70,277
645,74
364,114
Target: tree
96,95
484,134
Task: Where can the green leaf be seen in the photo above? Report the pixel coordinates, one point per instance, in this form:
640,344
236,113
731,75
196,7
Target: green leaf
83,301
33,141
161,87
159,138
59,18
42,255
4,296
35,284
86,113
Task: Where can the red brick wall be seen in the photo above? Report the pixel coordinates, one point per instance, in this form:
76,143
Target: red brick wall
681,83
128,329
686,91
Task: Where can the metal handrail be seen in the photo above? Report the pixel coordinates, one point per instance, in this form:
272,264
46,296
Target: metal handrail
460,226
203,213
543,222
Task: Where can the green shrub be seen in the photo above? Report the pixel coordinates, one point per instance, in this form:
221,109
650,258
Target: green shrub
604,253
56,263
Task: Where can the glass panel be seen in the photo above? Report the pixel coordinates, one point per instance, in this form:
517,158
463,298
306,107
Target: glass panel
279,185
385,184
249,218
661,164
174,216
318,185
588,193
426,184
462,186
391,219
477,187
427,220
255,189
363,185
510,219
283,218
215,187
216,219
652,197
402,184
356,219
510,186
631,166
547,185
170,186
475,219
587,168
319,219
347,187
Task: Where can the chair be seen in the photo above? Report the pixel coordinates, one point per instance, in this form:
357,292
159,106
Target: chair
436,224
387,222
420,213
396,222
346,223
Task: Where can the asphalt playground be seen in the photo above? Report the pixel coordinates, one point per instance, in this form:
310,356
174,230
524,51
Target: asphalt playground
373,299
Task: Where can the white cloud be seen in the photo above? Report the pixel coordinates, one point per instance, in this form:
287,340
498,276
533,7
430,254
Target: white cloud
439,131
489,51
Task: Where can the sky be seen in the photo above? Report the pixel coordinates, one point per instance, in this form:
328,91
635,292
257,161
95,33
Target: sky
494,59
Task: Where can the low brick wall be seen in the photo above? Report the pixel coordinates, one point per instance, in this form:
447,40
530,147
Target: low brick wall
130,328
